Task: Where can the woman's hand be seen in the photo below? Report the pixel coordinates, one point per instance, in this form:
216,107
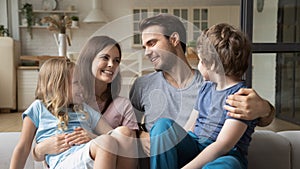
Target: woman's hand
79,136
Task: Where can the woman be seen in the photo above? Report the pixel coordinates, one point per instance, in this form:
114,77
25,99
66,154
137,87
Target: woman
99,73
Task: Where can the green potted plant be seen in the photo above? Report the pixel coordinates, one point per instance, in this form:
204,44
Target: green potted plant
27,11
1,30
75,20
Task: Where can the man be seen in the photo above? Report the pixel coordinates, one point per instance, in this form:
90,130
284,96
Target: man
171,91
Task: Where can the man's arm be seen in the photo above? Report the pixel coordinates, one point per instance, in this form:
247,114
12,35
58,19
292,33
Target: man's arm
189,126
248,105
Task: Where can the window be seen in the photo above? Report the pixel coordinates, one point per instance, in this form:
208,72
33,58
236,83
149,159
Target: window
138,15
200,21
160,10
197,16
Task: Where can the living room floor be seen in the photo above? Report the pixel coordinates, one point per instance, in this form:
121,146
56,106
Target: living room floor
12,122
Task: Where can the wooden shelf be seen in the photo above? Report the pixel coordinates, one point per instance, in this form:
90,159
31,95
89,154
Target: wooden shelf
54,11
28,68
42,27
35,27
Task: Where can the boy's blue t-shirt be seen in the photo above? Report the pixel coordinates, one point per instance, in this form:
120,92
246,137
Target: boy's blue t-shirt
46,124
212,115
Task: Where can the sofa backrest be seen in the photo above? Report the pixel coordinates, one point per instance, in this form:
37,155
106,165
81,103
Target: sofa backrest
269,150
7,146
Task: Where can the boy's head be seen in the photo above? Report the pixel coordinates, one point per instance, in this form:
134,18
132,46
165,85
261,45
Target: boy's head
225,43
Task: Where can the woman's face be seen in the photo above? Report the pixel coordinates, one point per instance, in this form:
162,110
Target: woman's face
105,65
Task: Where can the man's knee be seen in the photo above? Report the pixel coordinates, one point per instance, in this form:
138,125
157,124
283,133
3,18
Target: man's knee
161,125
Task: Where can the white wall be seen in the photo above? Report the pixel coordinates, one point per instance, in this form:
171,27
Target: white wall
227,14
264,65
3,13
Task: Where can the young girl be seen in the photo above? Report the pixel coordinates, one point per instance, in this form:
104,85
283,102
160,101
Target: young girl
56,110
215,140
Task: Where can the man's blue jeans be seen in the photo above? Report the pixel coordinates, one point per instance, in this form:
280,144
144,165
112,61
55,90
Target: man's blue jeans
172,148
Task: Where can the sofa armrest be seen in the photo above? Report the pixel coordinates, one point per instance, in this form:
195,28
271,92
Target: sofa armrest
294,139
269,150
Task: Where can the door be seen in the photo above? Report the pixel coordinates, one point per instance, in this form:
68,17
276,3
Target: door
288,64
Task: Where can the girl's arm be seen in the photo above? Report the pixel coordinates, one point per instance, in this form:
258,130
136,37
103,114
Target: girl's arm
190,124
230,134
23,147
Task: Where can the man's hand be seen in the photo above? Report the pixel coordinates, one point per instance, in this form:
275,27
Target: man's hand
79,136
248,105
145,142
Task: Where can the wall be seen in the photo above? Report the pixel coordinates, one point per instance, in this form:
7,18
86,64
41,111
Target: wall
230,14
264,65
3,13
119,27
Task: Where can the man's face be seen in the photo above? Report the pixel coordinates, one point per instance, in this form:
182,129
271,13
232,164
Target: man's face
158,48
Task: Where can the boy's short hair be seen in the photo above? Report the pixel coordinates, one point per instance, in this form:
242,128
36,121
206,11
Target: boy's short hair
230,44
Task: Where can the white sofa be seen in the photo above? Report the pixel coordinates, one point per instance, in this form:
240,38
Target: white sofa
268,150
7,145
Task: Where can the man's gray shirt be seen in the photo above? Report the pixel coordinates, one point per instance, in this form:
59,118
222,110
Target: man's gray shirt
153,96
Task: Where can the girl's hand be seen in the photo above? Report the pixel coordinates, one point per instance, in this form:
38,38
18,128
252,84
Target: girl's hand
52,145
79,136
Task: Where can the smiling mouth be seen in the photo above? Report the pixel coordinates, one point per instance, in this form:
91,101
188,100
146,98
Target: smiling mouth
107,72
153,59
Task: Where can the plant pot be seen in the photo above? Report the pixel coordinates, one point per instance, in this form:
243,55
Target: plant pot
75,24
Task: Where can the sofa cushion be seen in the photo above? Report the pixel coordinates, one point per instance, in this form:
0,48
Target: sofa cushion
294,138
269,150
8,143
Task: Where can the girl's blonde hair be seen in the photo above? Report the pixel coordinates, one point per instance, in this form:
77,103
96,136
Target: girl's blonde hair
53,88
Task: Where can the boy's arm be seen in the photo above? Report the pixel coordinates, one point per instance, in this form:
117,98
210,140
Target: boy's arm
230,134
23,147
248,105
189,125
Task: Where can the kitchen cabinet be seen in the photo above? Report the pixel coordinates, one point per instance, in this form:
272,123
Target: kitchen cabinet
27,82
